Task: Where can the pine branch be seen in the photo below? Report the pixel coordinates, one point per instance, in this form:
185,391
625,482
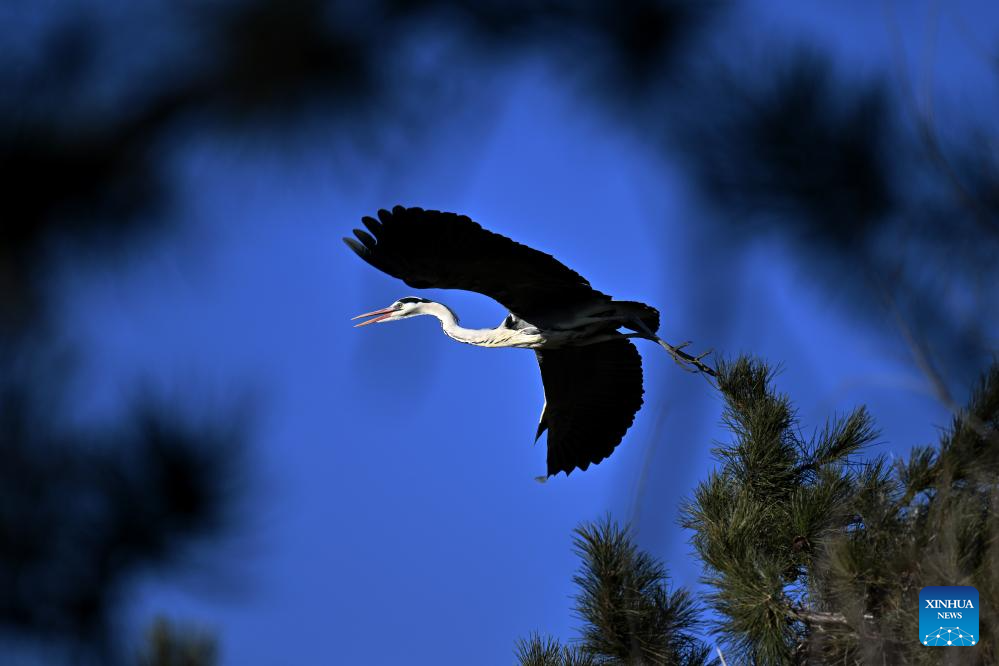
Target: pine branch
973,441
541,650
624,598
630,614
844,438
813,557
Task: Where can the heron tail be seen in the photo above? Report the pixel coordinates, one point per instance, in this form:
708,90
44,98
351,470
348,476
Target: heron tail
646,314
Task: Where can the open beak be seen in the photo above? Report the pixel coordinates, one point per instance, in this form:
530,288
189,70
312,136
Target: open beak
378,315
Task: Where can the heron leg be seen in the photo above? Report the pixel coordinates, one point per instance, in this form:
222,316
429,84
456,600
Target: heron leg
607,337
680,357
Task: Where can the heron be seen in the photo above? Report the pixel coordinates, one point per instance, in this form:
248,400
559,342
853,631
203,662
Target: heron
590,370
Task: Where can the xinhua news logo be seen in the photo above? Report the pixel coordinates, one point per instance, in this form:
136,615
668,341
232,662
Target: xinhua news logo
948,616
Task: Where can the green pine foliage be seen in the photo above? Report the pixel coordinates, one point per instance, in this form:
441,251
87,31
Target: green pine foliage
629,613
541,650
814,551
814,555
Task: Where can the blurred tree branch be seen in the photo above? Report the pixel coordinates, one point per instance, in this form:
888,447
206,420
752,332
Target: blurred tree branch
170,646
83,513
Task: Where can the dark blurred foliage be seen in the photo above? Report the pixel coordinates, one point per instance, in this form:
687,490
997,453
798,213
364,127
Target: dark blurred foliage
897,226
76,169
791,144
630,615
83,171
169,646
85,511
898,218
893,217
817,556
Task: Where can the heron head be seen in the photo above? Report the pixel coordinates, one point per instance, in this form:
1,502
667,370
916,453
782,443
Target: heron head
410,306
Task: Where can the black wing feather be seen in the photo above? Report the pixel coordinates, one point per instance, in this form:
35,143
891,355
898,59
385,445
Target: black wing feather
431,249
373,225
592,394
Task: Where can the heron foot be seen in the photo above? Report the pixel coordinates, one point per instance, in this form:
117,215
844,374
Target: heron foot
689,363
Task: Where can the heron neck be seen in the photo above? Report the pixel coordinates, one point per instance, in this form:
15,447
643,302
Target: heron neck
449,322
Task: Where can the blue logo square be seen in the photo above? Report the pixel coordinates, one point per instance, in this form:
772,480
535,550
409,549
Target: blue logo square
948,616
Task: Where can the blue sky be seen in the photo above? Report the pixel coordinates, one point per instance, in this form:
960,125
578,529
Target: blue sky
393,515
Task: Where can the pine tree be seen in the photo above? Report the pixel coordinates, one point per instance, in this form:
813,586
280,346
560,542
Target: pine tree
815,556
630,615
813,553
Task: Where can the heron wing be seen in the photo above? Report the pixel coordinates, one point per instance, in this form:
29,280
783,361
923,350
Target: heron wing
431,249
592,394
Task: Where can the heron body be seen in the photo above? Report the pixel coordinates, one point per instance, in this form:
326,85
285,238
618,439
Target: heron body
592,373
598,326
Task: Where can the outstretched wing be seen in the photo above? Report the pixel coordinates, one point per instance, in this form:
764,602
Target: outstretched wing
592,394
428,248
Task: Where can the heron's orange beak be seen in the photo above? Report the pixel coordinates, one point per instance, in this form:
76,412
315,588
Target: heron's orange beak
379,315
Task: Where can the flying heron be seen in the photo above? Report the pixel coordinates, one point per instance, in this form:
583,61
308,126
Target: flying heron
592,373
